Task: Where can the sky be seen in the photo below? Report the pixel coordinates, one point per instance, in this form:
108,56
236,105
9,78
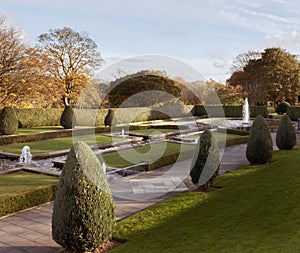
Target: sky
204,34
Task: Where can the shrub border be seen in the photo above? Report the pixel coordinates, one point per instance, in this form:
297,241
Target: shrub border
21,201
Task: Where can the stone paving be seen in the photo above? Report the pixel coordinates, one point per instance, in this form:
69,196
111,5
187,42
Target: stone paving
30,230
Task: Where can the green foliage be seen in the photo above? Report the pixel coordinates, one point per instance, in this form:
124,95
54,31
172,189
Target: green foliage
229,111
233,131
259,147
84,212
33,117
138,83
282,107
68,119
21,190
217,111
8,121
18,202
293,112
206,161
272,75
286,135
259,110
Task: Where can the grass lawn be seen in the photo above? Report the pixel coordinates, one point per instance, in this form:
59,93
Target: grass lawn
140,154
22,181
38,129
257,209
45,129
55,144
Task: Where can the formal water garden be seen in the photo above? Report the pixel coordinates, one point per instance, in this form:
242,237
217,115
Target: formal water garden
132,159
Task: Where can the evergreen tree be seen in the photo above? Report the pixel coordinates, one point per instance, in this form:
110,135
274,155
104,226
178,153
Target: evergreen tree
260,146
84,211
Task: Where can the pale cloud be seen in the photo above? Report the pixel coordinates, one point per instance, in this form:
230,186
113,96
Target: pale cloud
291,39
186,30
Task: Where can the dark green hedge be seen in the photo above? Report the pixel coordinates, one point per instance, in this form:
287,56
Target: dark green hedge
17,202
293,112
228,111
218,111
233,131
259,110
169,159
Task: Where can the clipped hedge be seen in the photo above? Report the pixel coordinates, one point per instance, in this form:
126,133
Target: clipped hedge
17,202
293,112
233,131
217,111
34,117
259,110
169,159
22,138
229,111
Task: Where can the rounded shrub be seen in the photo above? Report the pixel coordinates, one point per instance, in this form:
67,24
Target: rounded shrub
282,108
8,121
84,212
206,161
286,135
108,121
67,119
260,146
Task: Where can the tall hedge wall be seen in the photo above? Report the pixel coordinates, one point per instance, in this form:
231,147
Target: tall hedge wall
229,111
293,112
34,117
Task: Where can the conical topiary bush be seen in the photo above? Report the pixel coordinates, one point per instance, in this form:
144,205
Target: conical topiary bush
286,135
206,161
260,146
67,119
8,121
84,212
108,121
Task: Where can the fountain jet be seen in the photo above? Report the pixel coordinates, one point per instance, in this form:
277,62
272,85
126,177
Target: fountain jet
246,112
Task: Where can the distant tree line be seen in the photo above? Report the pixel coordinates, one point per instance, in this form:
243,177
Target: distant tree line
59,71
269,76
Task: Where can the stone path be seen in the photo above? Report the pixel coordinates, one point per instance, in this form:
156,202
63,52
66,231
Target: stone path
29,231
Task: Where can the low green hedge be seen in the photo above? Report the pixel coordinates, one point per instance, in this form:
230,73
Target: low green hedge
22,138
17,202
170,159
236,141
293,112
233,131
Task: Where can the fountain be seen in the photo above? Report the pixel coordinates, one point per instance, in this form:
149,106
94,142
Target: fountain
246,112
26,156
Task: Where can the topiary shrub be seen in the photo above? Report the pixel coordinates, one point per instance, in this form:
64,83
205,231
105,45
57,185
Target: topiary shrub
109,117
260,146
282,108
286,135
8,121
206,161
67,119
84,212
